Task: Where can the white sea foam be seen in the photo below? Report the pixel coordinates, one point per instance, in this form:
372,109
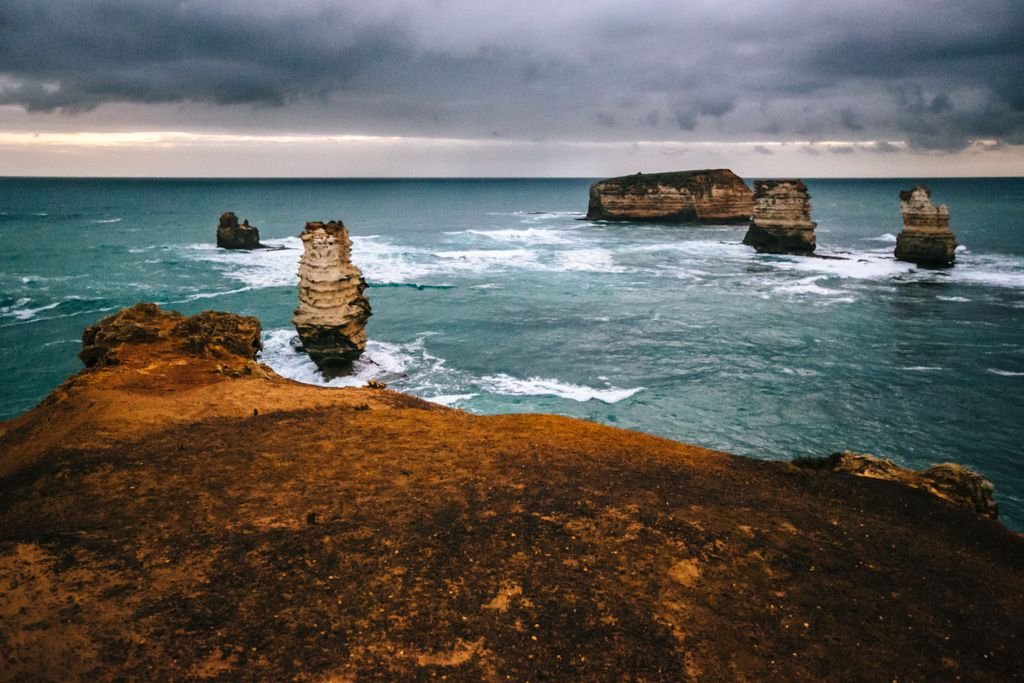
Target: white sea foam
1005,373
105,221
205,295
992,278
472,258
594,259
700,248
258,268
381,361
4,310
861,266
20,309
450,399
386,263
528,235
961,299
809,286
62,341
537,386
410,368
922,368
884,237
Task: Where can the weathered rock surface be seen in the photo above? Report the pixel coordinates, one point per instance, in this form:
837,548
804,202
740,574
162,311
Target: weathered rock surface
949,481
210,333
709,196
161,519
231,235
332,313
782,218
926,238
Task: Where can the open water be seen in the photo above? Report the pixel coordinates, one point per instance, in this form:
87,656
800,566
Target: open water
494,296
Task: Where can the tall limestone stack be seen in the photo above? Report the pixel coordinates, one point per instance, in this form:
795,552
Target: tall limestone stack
709,196
332,313
926,238
231,235
782,218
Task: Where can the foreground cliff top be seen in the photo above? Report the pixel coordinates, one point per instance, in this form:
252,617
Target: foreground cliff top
179,511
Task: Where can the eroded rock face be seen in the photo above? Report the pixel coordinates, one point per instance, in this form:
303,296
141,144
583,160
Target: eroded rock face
926,238
210,333
332,313
949,481
710,196
231,235
782,218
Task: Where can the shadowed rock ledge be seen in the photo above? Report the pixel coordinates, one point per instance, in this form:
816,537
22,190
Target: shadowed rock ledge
185,513
710,196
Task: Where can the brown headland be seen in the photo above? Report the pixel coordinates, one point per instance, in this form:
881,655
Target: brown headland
178,511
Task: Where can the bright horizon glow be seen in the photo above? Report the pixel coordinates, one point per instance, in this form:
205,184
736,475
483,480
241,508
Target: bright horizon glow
182,153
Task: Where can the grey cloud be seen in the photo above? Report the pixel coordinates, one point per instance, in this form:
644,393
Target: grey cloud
883,147
850,120
936,73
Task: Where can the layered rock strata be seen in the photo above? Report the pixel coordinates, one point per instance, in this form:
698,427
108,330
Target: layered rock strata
926,238
709,196
332,313
231,235
782,218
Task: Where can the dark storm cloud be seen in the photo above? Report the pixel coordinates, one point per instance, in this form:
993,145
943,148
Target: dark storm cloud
936,74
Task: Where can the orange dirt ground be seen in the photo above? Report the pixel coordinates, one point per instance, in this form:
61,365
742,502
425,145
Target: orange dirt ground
184,515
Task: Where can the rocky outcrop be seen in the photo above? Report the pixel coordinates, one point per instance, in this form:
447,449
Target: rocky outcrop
709,196
210,333
332,313
161,519
951,482
782,218
231,235
926,238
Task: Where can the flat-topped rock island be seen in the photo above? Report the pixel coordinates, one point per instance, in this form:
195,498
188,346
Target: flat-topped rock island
716,196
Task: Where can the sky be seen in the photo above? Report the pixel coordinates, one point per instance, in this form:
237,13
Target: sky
590,88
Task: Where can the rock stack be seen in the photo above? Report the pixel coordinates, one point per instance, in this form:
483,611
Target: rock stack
782,218
926,238
711,196
231,235
332,313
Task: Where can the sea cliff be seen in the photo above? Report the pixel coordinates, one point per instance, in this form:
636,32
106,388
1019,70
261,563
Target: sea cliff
708,196
178,511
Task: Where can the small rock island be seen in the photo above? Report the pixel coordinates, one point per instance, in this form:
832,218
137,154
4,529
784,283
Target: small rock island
708,196
782,218
926,238
332,313
231,235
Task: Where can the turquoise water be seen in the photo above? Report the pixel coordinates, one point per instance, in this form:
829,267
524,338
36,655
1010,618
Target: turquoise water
493,296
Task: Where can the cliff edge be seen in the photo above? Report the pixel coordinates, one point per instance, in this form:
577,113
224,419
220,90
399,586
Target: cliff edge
178,511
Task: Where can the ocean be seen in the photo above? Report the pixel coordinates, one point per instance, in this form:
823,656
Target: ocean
496,296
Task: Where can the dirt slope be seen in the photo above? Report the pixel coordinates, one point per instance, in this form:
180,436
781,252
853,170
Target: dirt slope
185,514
